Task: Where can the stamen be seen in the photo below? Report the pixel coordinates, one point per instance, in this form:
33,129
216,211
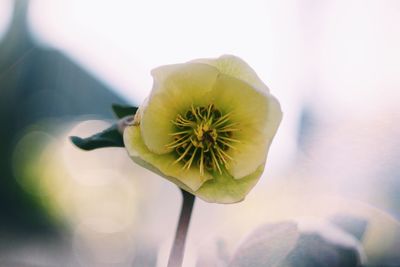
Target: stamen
189,115
224,153
183,124
181,118
228,126
177,140
210,107
202,163
172,145
189,163
203,136
222,120
228,130
221,157
225,143
195,114
179,133
229,139
215,161
183,155
217,114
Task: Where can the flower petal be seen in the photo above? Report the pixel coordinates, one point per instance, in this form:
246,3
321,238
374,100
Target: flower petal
190,180
258,115
219,188
225,189
175,89
236,67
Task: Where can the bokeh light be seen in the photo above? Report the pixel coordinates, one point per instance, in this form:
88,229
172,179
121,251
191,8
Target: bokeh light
332,64
5,15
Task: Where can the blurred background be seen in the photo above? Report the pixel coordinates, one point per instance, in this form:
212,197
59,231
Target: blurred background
334,66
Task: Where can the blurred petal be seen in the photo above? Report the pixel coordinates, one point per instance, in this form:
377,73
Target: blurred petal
221,189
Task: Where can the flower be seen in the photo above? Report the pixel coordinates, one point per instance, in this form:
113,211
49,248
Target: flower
207,127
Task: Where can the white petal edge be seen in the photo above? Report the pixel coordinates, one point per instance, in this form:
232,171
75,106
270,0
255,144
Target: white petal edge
236,67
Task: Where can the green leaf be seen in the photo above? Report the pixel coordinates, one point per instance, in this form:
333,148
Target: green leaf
122,111
110,137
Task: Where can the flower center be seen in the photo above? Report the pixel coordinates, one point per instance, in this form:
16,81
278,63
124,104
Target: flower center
203,136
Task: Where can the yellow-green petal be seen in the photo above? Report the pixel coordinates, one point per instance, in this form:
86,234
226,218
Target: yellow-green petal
225,189
190,180
219,188
251,116
236,67
175,89
258,115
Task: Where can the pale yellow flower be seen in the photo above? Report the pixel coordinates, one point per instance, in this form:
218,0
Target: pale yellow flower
207,127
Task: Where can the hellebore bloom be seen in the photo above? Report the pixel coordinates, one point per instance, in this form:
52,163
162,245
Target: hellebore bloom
207,127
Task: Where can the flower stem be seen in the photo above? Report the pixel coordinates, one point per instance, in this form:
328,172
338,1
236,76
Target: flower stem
177,251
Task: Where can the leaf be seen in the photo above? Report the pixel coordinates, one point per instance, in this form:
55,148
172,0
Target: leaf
267,246
110,137
122,111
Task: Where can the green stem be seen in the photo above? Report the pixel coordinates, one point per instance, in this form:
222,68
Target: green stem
178,248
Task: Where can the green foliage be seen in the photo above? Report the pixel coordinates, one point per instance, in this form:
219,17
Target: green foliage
110,137
122,111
